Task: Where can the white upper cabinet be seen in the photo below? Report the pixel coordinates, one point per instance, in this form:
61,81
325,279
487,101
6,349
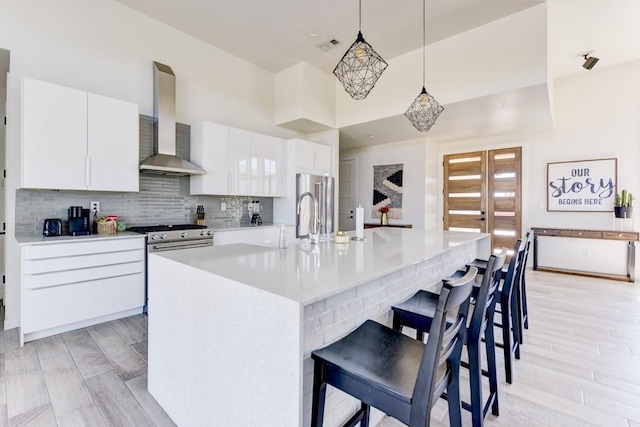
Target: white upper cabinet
278,167
73,140
260,164
312,157
238,162
210,149
113,147
54,136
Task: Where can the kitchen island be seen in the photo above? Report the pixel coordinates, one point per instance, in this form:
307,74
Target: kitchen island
231,328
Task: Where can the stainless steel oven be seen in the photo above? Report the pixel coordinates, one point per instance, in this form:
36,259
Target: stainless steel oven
173,237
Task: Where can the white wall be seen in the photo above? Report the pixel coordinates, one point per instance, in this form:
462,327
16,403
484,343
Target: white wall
416,155
597,115
106,48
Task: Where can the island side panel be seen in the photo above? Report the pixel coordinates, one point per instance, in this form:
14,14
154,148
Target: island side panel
328,320
222,353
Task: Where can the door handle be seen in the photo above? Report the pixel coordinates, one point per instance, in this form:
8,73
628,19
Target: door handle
481,219
351,217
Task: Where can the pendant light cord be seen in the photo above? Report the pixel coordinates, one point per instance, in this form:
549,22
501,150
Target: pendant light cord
360,16
424,40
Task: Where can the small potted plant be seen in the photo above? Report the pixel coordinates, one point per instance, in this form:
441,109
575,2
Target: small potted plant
383,215
623,205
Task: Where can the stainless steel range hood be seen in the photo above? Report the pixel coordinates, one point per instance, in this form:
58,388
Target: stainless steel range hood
165,161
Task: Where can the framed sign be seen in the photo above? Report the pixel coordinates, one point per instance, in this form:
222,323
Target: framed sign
582,186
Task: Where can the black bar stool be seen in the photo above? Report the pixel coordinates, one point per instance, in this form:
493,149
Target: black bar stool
507,307
400,376
418,311
520,287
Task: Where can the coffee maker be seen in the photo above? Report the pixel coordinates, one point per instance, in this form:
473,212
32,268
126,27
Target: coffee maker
79,221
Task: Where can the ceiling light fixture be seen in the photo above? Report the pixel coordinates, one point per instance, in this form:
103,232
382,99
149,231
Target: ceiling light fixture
360,66
589,61
424,110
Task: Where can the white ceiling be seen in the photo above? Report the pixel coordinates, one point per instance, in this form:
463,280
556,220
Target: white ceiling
273,35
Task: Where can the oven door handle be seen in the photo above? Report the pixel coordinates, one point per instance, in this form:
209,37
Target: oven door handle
170,246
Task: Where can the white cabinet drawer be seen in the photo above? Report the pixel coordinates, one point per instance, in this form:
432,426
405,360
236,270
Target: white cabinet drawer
45,265
34,281
61,305
56,250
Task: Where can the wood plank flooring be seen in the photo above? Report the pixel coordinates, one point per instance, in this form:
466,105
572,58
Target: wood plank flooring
94,376
580,366
580,362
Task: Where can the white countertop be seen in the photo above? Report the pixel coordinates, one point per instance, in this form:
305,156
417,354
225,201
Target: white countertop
307,273
35,239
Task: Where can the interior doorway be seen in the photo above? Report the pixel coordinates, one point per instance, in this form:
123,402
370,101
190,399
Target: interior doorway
347,193
483,193
4,70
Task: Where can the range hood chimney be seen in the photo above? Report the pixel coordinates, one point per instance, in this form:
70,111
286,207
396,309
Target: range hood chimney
165,161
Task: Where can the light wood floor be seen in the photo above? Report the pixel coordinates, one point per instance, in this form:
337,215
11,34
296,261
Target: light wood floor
580,366
580,362
95,376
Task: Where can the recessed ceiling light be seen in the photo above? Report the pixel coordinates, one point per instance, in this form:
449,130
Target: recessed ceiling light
313,32
371,136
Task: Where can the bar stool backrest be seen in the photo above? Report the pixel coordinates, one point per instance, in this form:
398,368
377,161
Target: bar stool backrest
444,346
485,300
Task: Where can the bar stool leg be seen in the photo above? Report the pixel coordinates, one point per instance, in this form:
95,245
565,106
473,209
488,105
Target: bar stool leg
506,341
453,397
490,343
319,394
475,379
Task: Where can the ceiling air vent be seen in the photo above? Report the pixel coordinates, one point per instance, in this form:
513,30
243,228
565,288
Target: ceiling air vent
329,45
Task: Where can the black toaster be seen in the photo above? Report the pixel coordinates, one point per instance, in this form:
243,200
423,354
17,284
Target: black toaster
52,227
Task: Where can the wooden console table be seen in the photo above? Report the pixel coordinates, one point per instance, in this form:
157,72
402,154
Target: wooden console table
629,236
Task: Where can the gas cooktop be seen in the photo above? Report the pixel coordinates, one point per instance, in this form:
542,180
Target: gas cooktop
158,228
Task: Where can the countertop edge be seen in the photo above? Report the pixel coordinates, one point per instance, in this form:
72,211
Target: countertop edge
30,239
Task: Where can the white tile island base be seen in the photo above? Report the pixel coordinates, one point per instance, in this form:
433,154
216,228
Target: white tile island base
231,328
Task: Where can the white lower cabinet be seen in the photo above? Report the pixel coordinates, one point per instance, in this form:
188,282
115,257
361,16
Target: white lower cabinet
261,236
69,285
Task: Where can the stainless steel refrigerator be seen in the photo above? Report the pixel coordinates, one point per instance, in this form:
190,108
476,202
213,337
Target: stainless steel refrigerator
322,189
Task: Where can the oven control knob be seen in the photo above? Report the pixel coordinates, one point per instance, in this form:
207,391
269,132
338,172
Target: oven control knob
203,233
185,234
210,233
154,236
163,236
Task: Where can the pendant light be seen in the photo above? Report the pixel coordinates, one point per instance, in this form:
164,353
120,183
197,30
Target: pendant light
424,110
360,67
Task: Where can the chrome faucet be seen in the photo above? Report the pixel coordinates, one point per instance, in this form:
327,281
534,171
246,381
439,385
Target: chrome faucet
314,236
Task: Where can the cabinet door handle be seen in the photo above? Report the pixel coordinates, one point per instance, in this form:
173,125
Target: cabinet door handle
87,172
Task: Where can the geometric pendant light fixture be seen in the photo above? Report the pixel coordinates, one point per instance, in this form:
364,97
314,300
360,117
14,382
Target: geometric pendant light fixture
424,110
360,67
